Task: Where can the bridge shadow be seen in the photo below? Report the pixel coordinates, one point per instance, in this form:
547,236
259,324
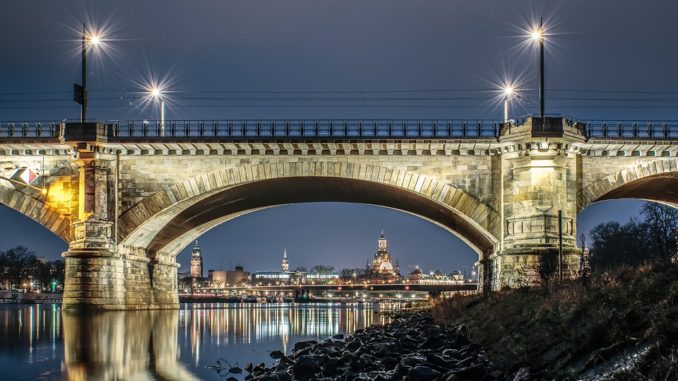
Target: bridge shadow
122,345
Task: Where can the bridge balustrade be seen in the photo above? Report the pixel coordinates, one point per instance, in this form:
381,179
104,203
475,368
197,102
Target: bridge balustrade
632,130
332,129
32,129
313,129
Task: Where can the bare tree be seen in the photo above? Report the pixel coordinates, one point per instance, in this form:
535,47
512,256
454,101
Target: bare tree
661,221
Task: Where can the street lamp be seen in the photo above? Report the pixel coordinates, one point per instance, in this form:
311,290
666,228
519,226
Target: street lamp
93,40
156,93
537,35
508,94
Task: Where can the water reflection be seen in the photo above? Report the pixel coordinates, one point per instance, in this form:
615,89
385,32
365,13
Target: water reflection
39,342
122,346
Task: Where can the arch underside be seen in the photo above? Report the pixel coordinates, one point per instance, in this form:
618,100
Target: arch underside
36,210
661,188
232,202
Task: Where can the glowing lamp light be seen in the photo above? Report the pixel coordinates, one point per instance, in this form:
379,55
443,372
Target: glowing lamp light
156,92
508,91
95,39
536,35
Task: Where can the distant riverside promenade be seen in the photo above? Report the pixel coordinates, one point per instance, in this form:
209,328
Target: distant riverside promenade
13,296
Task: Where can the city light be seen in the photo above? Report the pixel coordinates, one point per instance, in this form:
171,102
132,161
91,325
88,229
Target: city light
508,92
538,35
157,93
94,39
91,38
155,90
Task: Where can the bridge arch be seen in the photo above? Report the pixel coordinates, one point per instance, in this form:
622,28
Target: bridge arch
168,220
656,180
37,210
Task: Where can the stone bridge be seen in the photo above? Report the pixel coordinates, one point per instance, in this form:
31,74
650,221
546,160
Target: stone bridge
128,197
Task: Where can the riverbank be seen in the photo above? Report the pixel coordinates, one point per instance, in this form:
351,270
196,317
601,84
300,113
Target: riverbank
18,297
411,346
621,326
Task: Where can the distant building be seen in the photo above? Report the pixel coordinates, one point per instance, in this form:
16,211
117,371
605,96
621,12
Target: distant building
270,278
416,275
223,279
285,262
267,278
302,277
382,264
237,276
456,276
196,261
217,278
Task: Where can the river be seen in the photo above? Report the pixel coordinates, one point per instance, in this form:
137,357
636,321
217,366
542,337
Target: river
39,342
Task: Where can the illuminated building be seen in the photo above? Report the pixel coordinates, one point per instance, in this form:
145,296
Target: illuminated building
217,278
416,275
196,261
285,262
237,276
382,264
270,278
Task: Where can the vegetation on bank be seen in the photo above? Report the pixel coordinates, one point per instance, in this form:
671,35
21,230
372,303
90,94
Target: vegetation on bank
648,238
623,324
21,268
620,321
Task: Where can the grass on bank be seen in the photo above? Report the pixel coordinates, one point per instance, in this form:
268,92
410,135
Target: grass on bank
569,329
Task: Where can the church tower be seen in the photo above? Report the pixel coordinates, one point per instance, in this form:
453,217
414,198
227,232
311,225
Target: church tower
382,242
285,262
382,264
196,261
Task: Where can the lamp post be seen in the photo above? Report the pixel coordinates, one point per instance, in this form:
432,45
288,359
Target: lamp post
537,35
88,39
156,93
508,94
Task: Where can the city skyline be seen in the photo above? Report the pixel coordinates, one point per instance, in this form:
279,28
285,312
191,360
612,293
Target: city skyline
263,255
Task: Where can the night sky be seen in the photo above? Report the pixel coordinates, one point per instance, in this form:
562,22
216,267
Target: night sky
395,59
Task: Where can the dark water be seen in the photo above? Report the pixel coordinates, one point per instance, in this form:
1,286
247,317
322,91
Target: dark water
40,342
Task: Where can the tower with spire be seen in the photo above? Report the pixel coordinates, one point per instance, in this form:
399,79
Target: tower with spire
285,262
382,264
196,261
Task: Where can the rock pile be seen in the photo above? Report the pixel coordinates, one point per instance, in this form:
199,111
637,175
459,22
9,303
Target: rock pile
412,347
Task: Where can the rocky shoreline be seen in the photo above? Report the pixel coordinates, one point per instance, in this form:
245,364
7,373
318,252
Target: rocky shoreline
411,347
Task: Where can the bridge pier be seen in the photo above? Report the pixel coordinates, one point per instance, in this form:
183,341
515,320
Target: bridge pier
100,273
540,176
127,279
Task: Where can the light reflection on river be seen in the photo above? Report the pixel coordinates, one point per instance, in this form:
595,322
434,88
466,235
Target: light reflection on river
39,342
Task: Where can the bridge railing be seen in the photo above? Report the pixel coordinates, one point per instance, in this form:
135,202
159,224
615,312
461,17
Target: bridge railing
30,129
626,129
306,129
331,129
